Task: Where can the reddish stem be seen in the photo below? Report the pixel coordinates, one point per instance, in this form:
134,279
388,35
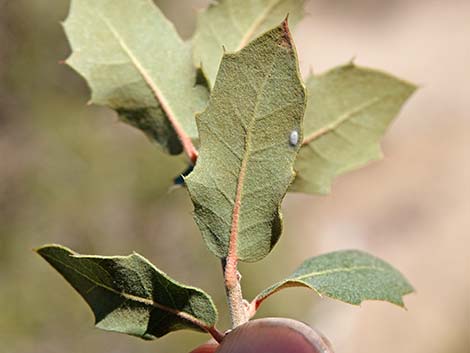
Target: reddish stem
185,140
215,333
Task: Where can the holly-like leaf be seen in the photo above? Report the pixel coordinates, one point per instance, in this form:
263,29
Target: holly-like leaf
348,110
248,135
129,295
232,24
350,276
135,63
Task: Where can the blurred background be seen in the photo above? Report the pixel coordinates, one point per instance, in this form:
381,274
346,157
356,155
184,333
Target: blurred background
72,174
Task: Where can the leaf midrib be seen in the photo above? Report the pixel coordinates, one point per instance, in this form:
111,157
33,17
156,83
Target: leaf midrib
294,281
157,93
335,270
233,246
181,314
341,120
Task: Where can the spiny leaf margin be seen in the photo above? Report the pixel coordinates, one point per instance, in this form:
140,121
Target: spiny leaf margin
349,109
134,62
128,294
351,276
232,24
245,167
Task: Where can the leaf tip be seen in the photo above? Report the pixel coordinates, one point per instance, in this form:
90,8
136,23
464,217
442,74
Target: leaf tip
414,86
285,22
285,39
63,23
68,61
44,247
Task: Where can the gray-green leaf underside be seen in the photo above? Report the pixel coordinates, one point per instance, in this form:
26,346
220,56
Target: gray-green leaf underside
129,295
232,24
348,110
350,276
246,161
135,63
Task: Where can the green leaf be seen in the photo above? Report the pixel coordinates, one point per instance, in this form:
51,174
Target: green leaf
350,276
135,63
348,110
232,24
246,161
129,295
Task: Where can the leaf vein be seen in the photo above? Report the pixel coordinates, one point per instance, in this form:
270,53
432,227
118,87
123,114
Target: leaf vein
127,296
337,270
348,115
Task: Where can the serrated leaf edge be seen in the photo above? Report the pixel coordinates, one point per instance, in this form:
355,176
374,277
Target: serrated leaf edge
208,327
257,23
232,257
183,137
298,282
313,136
248,35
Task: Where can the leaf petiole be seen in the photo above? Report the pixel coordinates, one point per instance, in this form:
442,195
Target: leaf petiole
234,293
215,333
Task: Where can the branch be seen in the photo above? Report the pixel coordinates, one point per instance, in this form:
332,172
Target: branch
234,293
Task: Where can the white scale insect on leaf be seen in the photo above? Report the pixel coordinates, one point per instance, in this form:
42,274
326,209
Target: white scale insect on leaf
294,138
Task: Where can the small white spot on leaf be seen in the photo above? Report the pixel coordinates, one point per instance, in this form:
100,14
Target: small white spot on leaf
294,138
